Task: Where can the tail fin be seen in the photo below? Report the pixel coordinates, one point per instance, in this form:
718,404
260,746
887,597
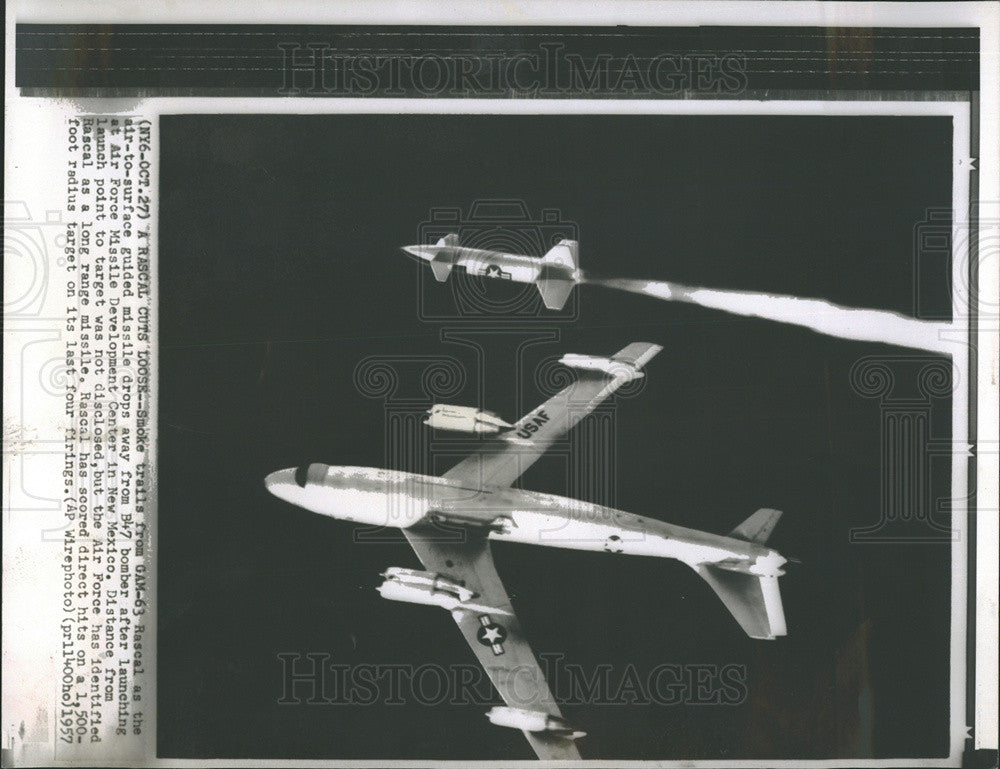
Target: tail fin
758,527
554,287
564,254
443,261
754,601
554,284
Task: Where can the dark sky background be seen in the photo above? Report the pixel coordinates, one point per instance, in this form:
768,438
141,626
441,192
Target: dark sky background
280,272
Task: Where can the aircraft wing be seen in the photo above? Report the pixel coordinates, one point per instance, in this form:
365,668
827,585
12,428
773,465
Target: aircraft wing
501,460
492,629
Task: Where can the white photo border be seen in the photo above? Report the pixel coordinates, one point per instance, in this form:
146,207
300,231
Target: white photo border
24,146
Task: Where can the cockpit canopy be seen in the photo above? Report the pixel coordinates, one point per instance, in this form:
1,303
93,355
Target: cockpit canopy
311,473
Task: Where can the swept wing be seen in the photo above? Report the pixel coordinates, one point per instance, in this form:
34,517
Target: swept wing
495,636
500,461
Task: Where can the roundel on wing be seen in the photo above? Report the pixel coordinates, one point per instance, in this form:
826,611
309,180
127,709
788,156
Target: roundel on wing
491,634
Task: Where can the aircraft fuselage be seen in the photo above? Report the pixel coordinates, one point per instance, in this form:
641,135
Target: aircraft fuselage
379,497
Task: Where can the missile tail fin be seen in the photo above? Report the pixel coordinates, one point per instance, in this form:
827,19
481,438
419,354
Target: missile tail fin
565,254
444,256
555,290
441,268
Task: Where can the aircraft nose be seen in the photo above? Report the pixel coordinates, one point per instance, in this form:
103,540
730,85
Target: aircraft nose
421,252
281,483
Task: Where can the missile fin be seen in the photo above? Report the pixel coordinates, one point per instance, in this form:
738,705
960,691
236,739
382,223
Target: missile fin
441,269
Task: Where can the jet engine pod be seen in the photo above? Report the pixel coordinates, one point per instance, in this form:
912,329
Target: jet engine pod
465,419
532,721
426,587
614,368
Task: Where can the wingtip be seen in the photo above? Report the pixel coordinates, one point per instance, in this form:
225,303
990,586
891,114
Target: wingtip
650,351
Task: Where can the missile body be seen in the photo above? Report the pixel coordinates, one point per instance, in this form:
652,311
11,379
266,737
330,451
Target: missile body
555,274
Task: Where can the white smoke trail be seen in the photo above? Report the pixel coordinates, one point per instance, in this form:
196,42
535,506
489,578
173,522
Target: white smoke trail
817,314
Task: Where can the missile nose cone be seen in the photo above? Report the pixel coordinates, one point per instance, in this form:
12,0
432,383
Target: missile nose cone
420,252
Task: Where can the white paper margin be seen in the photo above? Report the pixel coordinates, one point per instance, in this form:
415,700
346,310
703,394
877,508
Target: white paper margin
35,176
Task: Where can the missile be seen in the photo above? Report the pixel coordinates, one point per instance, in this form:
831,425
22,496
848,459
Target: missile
532,721
555,274
464,419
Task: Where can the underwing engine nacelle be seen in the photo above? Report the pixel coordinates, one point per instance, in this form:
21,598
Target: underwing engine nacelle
532,721
426,587
465,419
613,368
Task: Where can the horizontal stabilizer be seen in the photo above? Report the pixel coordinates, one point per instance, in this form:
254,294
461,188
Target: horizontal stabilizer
554,287
753,600
758,527
564,254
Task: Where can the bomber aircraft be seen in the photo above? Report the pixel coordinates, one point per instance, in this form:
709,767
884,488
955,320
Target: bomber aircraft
450,521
